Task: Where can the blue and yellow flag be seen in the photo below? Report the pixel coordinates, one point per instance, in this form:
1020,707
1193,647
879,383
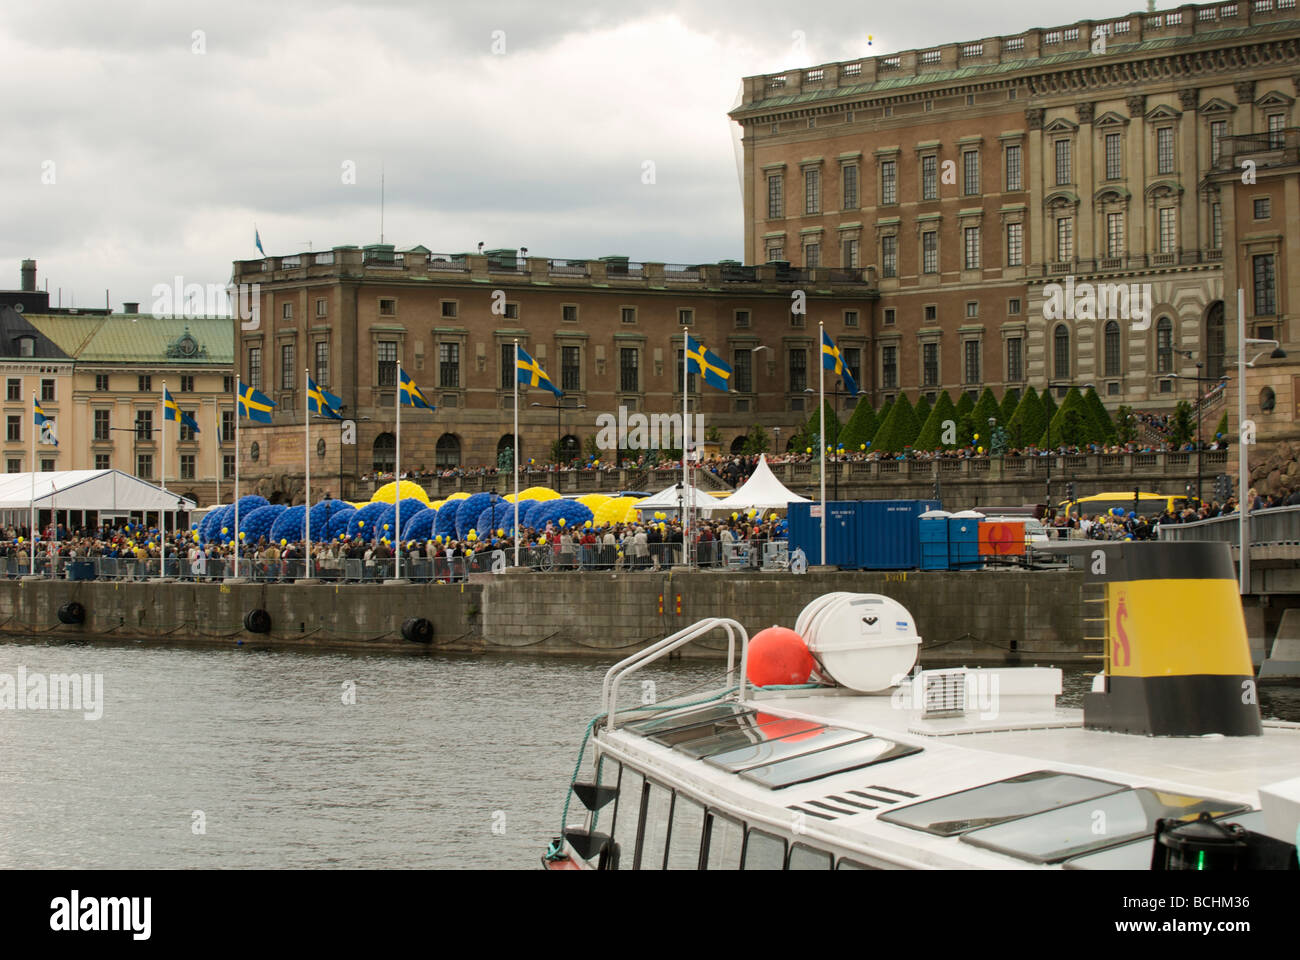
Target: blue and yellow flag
45,423
323,402
410,394
699,359
531,373
833,361
254,405
173,412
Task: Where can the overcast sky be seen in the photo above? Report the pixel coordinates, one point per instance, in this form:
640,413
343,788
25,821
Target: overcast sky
165,149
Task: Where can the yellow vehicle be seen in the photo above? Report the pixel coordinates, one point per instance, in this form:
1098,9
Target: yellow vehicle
1149,504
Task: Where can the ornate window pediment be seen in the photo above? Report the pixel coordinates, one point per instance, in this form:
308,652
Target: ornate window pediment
1111,194
1061,125
1060,200
1110,119
1215,106
1163,188
1163,112
1275,98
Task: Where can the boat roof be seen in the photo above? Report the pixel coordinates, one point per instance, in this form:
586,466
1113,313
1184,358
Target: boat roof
871,761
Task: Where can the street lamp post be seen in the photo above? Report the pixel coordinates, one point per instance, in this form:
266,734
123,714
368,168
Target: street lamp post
558,407
1200,403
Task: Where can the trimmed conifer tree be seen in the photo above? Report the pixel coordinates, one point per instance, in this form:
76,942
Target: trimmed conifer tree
1105,425
921,409
1049,405
1071,424
861,428
1010,400
881,417
986,409
1028,421
964,403
900,428
931,435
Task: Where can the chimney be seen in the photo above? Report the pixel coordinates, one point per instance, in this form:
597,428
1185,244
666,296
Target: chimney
29,276
131,306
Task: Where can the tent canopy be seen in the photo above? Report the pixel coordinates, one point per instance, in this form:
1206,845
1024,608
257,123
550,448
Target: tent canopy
107,491
667,500
762,491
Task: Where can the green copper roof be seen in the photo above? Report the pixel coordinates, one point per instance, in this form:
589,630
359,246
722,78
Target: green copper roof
1013,66
128,338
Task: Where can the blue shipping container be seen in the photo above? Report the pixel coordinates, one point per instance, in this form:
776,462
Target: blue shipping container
963,543
861,534
889,534
934,542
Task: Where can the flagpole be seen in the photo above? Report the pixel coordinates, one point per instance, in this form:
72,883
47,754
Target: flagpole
162,514
31,531
516,456
397,480
235,538
821,439
686,446
306,501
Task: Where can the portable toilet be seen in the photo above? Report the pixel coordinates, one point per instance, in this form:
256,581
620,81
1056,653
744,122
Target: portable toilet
964,540
933,527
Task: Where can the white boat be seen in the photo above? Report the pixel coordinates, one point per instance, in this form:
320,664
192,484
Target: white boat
1167,766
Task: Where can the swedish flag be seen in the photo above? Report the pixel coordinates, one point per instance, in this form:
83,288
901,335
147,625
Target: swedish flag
411,395
833,361
531,373
322,401
699,359
173,412
45,423
254,405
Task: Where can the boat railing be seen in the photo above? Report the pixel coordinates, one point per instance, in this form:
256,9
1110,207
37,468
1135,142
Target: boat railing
621,670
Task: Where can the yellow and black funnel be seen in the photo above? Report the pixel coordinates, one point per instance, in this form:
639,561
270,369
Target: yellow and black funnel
1177,658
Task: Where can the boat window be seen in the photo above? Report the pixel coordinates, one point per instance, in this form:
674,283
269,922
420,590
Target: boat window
806,858
847,864
994,803
724,839
1137,856
825,763
763,851
744,735
739,731
627,814
792,745
1056,835
654,828
687,833
688,718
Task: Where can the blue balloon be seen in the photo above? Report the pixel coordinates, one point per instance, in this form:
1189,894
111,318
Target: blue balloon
444,525
322,514
258,524
468,510
572,512
525,506
338,522
420,526
288,525
502,517
363,523
410,507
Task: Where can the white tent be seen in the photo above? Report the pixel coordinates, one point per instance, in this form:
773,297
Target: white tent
668,501
762,491
109,492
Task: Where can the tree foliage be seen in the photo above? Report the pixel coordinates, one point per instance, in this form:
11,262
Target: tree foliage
861,428
1028,421
931,435
900,429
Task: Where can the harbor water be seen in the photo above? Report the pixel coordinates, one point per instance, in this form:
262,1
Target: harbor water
237,758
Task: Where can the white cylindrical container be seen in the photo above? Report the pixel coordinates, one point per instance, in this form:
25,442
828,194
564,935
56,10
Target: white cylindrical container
864,641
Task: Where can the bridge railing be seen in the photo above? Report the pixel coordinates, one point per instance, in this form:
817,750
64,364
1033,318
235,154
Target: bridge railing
1279,525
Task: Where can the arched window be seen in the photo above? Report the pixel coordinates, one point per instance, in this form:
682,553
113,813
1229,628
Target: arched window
1164,345
1215,346
447,453
738,446
1112,349
385,452
570,448
1061,352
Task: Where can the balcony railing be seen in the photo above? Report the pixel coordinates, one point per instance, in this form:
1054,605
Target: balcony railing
1272,148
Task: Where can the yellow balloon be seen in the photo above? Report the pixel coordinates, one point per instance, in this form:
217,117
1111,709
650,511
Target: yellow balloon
541,541
283,541
979,449
388,493
977,436
587,524
501,532
361,523
241,534
807,449
561,521
862,446
225,529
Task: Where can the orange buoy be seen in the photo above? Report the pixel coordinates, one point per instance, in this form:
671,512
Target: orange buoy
778,655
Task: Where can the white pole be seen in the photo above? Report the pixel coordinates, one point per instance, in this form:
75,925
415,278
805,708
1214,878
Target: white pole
31,532
821,414
1243,475
235,537
516,458
162,514
686,448
397,481
306,500
216,452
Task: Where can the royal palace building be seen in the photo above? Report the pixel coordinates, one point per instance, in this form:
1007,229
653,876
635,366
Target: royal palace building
1067,205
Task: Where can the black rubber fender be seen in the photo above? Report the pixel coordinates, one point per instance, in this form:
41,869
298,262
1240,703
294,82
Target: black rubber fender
418,630
72,612
257,621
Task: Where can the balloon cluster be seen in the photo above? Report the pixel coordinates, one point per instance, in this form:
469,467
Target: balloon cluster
553,511
256,525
